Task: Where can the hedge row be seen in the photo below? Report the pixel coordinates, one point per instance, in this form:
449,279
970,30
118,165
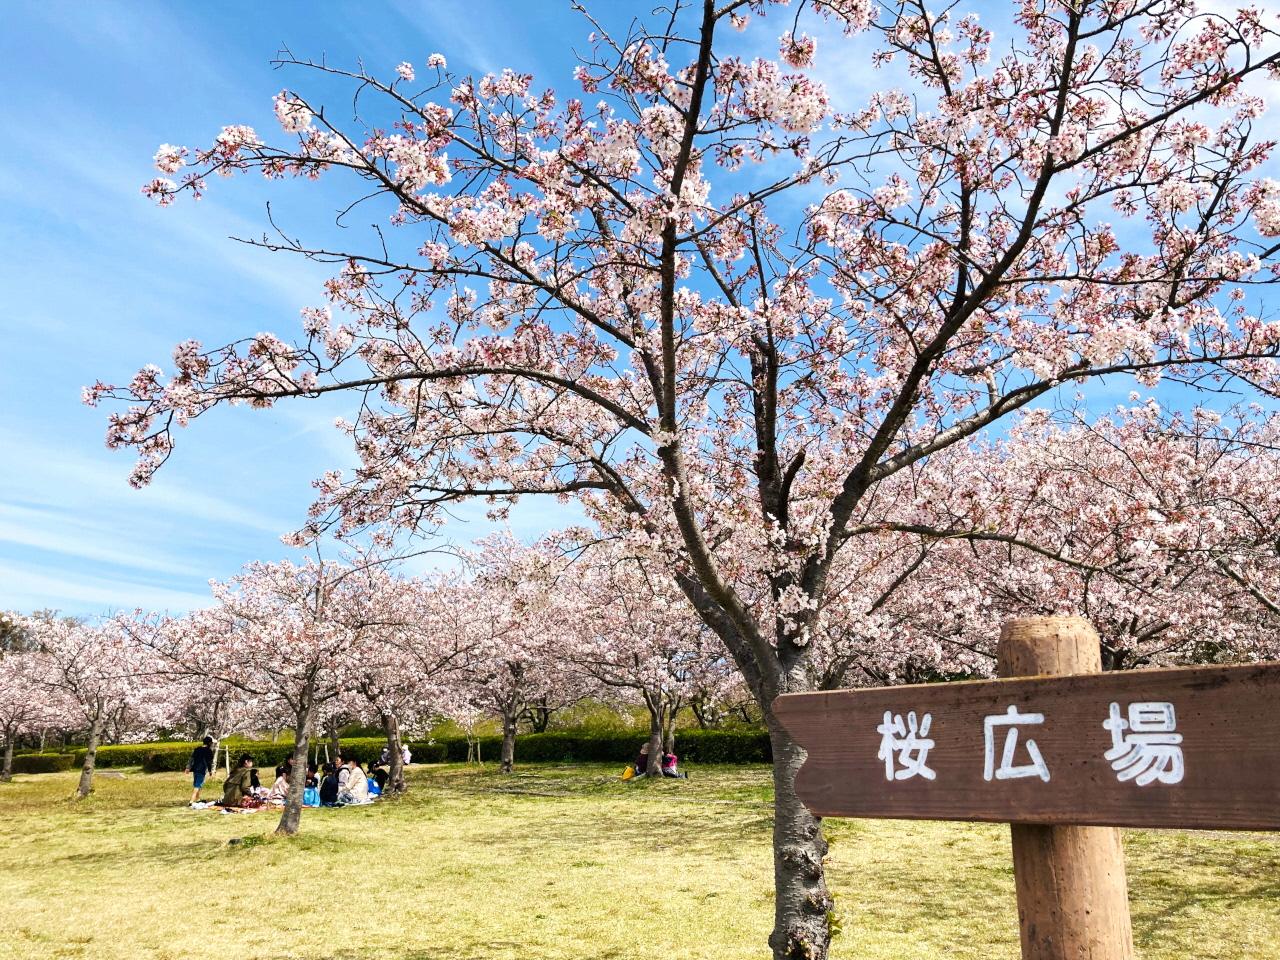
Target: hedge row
693,746
43,762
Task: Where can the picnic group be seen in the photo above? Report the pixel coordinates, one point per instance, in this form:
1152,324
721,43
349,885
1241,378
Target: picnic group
341,784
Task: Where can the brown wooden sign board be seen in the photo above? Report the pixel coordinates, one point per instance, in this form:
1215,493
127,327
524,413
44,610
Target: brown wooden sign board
1195,747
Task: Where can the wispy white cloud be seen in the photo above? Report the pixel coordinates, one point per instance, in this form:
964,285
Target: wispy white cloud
25,587
57,531
60,476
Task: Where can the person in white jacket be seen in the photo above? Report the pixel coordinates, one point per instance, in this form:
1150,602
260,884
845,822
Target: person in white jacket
355,788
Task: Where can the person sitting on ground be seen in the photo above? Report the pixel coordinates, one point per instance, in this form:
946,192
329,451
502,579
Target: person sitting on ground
255,784
200,766
642,761
329,786
671,768
385,756
355,789
380,776
405,755
343,771
239,785
279,792
313,776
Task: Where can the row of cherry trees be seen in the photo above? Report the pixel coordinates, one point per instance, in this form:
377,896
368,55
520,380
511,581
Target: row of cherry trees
1160,529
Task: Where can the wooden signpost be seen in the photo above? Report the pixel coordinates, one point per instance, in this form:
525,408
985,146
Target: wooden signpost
1062,752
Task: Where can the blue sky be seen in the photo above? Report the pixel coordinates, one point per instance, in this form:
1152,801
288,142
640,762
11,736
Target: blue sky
97,281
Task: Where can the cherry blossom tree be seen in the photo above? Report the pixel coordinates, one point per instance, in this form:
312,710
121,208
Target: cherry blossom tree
287,635
1160,528
516,622
634,635
202,706
412,659
13,633
722,310
26,705
95,670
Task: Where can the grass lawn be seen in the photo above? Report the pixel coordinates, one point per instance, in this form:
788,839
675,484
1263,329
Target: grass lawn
554,862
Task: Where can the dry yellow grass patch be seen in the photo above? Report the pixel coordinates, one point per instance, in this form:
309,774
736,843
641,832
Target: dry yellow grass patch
553,863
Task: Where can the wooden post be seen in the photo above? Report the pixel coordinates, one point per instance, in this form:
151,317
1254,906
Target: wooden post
1073,900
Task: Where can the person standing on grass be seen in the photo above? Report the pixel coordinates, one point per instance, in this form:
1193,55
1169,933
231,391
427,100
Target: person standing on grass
200,765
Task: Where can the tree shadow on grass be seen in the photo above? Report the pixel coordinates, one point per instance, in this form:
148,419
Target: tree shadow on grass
1223,899
475,949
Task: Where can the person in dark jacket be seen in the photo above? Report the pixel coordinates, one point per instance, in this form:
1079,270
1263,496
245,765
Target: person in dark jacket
200,766
642,761
329,786
239,785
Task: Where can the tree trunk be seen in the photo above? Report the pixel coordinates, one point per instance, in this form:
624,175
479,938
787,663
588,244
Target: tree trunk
90,756
292,816
6,774
802,906
540,717
655,744
395,750
335,743
508,741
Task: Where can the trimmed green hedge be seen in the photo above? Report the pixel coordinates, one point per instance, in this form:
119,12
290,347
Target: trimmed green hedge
692,746
43,762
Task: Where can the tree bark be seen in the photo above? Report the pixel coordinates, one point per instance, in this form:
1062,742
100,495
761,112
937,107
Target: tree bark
291,819
508,741
90,757
6,774
669,728
655,744
802,908
335,743
395,750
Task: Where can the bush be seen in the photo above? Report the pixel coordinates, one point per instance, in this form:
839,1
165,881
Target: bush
42,762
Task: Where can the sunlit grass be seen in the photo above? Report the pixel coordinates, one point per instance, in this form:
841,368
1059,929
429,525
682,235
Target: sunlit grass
555,862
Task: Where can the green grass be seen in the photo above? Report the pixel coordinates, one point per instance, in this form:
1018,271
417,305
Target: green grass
554,862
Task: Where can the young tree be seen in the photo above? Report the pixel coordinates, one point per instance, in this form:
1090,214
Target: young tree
26,705
411,662
283,634
722,310
94,669
632,633
514,621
